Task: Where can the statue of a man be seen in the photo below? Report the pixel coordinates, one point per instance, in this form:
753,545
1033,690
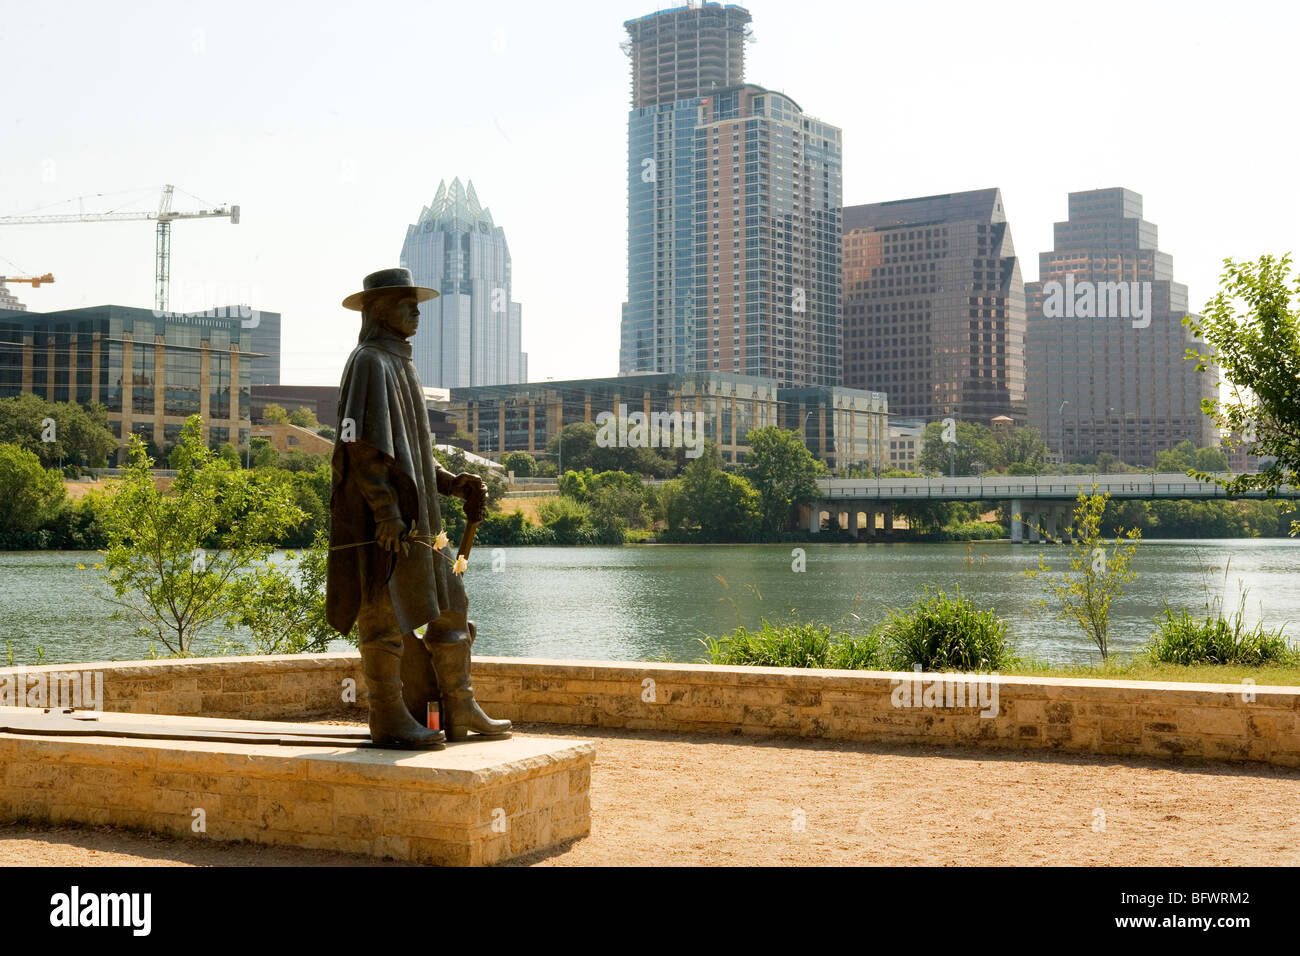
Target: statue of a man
386,573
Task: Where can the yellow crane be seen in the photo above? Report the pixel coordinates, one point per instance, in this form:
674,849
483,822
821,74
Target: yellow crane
164,215
34,281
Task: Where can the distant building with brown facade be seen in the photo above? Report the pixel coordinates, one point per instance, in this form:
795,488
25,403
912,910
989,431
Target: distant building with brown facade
934,306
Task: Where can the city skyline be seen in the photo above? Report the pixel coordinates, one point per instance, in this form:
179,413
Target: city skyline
297,164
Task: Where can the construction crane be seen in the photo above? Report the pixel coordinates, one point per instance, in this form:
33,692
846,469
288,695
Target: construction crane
34,281
165,216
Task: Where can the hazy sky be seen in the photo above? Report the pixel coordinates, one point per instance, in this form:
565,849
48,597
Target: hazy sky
331,124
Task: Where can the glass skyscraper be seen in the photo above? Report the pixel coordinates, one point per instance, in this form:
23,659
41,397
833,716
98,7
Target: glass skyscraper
734,200
470,334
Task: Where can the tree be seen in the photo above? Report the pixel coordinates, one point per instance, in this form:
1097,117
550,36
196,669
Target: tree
172,558
226,452
1020,450
783,471
710,504
31,494
974,451
1210,459
521,463
275,415
284,608
578,447
1256,350
303,417
57,431
1178,458
1097,576
264,454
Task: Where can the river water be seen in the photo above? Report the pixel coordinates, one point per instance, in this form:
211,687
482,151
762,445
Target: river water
655,601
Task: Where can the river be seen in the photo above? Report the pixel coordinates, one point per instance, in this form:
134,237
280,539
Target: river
654,601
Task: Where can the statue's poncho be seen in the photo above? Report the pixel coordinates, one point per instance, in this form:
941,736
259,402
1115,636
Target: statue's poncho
387,464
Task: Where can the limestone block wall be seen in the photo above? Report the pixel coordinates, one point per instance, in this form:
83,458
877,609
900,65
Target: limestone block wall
1216,721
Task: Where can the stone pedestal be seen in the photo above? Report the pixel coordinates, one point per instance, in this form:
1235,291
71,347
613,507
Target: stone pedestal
473,803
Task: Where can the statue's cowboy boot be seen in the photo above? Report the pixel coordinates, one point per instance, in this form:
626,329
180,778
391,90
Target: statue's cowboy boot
461,714
391,724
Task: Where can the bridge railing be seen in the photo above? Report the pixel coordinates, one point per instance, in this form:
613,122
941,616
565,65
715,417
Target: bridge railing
1028,486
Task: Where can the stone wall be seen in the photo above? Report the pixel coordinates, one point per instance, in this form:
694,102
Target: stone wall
1217,721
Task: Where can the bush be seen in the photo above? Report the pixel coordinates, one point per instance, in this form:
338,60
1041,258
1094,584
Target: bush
794,645
1183,639
945,633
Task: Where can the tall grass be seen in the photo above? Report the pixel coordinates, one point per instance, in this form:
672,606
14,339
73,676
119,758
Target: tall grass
938,632
794,645
942,633
1183,639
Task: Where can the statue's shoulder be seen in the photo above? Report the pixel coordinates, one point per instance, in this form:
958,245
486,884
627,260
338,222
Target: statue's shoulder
370,358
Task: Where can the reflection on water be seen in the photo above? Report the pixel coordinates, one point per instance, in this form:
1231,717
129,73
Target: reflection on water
655,601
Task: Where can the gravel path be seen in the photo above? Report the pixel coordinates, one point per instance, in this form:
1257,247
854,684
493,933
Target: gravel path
662,798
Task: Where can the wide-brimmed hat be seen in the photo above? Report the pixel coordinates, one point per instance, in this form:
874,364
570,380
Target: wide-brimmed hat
387,279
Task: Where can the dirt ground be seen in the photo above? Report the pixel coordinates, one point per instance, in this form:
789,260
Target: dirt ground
662,798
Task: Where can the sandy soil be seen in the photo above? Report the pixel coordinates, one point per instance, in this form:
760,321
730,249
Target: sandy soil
660,798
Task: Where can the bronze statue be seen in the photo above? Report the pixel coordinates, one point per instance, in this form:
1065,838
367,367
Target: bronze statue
390,570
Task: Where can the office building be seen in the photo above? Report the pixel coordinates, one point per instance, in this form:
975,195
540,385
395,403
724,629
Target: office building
149,372
843,427
734,200
934,307
1105,343
470,334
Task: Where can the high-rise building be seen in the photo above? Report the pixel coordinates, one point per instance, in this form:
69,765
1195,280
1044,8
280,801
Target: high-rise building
734,200
10,301
1105,345
470,334
934,306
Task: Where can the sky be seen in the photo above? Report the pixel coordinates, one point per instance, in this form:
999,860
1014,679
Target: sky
332,124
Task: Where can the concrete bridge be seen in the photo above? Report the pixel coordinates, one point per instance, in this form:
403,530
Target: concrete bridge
1041,501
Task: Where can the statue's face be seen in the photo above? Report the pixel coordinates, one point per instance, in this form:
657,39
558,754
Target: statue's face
399,313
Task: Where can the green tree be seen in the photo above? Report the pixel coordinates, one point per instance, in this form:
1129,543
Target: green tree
972,453
275,415
284,607
172,558
783,471
304,417
32,495
521,463
1020,450
1210,458
264,454
1178,458
1097,574
709,504
226,452
57,431
1256,351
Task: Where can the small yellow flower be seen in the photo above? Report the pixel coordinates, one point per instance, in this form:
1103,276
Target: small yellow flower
461,564
81,567
440,542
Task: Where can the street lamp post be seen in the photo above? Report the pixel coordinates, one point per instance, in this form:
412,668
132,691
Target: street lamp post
1061,412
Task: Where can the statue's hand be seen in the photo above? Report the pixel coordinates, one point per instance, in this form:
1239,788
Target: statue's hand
388,534
473,491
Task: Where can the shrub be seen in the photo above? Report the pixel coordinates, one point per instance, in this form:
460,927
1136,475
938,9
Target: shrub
945,633
1183,639
794,645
